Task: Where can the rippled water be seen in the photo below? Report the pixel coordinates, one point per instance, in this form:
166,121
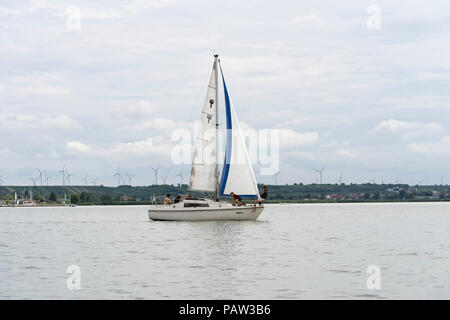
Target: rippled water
292,252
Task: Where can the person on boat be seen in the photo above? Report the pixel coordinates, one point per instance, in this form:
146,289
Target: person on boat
189,197
262,197
177,199
167,200
236,199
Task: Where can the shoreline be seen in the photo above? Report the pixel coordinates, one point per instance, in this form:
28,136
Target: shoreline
145,203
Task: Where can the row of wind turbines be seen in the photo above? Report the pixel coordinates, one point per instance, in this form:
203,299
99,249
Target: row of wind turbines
126,178
42,178
340,179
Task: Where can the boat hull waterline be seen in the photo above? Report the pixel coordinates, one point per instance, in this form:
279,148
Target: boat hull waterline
233,213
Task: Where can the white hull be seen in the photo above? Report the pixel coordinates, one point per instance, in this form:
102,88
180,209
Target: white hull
219,212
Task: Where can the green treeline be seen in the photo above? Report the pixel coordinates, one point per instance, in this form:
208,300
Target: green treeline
125,194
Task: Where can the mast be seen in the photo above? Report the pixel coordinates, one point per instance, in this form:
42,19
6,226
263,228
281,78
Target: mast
216,68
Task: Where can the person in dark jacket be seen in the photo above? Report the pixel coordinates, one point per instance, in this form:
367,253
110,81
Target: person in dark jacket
262,197
236,199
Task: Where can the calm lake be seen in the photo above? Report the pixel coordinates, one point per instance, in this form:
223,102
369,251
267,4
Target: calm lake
294,251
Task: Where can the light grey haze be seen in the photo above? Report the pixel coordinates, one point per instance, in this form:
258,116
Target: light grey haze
364,102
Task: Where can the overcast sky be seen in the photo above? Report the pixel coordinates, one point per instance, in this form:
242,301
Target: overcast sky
365,102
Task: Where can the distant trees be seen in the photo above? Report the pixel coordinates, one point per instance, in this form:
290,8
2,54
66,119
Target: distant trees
52,197
105,199
297,192
74,198
86,197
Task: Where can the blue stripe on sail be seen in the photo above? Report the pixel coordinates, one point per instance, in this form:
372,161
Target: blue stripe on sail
226,163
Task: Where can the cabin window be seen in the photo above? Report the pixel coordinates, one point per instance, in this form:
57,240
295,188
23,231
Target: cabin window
192,205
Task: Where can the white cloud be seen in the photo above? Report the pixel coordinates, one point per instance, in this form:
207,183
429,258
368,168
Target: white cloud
335,144
292,120
89,10
138,109
409,130
12,121
309,20
61,121
291,138
137,5
41,84
301,155
7,12
436,148
52,154
162,124
345,152
155,146
79,147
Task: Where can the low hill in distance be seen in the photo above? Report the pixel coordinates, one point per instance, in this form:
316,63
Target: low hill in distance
127,194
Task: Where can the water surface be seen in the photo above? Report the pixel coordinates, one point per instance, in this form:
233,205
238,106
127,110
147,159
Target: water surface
294,251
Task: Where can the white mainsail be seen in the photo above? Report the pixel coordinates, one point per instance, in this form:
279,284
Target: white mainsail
237,173
204,165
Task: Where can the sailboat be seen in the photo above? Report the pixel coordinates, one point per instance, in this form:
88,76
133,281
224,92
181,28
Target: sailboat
237,172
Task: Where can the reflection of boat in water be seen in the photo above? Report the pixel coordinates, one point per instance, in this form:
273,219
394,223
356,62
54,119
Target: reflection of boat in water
237,172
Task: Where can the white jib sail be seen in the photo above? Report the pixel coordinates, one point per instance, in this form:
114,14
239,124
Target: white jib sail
237,175
204,168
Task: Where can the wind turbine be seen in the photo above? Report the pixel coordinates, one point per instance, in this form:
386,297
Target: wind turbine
68,175
276,177
46,180
129,176
63,171
34,181
94,182
340,179
320,171
156,174
373,180
84,179
442,179
40,174
166,176
118,175
181,177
